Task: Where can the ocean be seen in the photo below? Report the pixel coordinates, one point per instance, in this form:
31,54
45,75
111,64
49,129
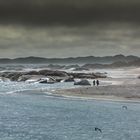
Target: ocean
28,112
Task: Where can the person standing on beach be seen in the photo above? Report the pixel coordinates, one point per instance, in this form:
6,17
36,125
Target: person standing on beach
93,82
97,82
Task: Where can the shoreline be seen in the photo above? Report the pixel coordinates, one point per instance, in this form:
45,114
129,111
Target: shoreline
79,93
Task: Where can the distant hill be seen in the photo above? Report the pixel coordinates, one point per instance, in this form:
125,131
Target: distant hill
117,64
71,60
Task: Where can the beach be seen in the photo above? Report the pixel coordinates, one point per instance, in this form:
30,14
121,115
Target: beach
122,85
112,92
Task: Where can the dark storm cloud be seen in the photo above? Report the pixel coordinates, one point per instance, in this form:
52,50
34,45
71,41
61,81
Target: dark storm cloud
65,28
65,12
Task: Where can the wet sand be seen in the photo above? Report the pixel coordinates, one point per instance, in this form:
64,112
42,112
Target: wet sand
121,85
129,90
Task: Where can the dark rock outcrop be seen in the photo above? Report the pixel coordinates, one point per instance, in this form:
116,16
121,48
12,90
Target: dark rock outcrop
13,76
70,79
24,78
83,83
57,75
45,81
87,75
32,73
53,73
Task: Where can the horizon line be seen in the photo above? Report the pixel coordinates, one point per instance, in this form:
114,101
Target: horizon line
67,57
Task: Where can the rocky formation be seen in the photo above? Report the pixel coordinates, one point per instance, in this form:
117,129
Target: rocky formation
48,76
70,79
13,76
82,83
48,80
87,75
53,73
2,79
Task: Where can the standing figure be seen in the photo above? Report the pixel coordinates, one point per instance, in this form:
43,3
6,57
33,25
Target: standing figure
97,82
94,83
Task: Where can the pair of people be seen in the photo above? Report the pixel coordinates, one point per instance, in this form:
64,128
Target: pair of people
96,82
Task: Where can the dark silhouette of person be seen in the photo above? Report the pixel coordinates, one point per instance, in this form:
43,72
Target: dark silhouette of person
98,129
97,82
94,83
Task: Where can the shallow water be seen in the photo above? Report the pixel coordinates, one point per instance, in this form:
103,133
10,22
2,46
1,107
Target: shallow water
43,117
27,113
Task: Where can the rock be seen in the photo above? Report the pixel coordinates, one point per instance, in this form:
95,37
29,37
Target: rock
88,75
13,76
100,75
24,78
43,81
3,79
32,73
34,78
48,80
83,75
82,83
58,79
70,79
53,73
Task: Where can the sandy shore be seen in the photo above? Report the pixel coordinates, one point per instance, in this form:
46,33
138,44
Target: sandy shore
121,85
125,92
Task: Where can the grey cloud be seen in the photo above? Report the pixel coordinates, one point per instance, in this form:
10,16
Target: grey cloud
69,41
65,12
61,28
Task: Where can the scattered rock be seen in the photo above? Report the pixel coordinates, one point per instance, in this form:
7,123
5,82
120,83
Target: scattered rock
57,75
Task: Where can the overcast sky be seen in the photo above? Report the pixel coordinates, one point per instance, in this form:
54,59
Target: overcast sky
69,28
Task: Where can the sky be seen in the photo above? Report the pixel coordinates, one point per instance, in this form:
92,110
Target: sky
69,28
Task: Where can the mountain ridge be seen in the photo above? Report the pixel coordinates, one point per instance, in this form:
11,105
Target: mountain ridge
71,60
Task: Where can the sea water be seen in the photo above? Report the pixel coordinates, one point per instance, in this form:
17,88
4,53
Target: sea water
28,114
